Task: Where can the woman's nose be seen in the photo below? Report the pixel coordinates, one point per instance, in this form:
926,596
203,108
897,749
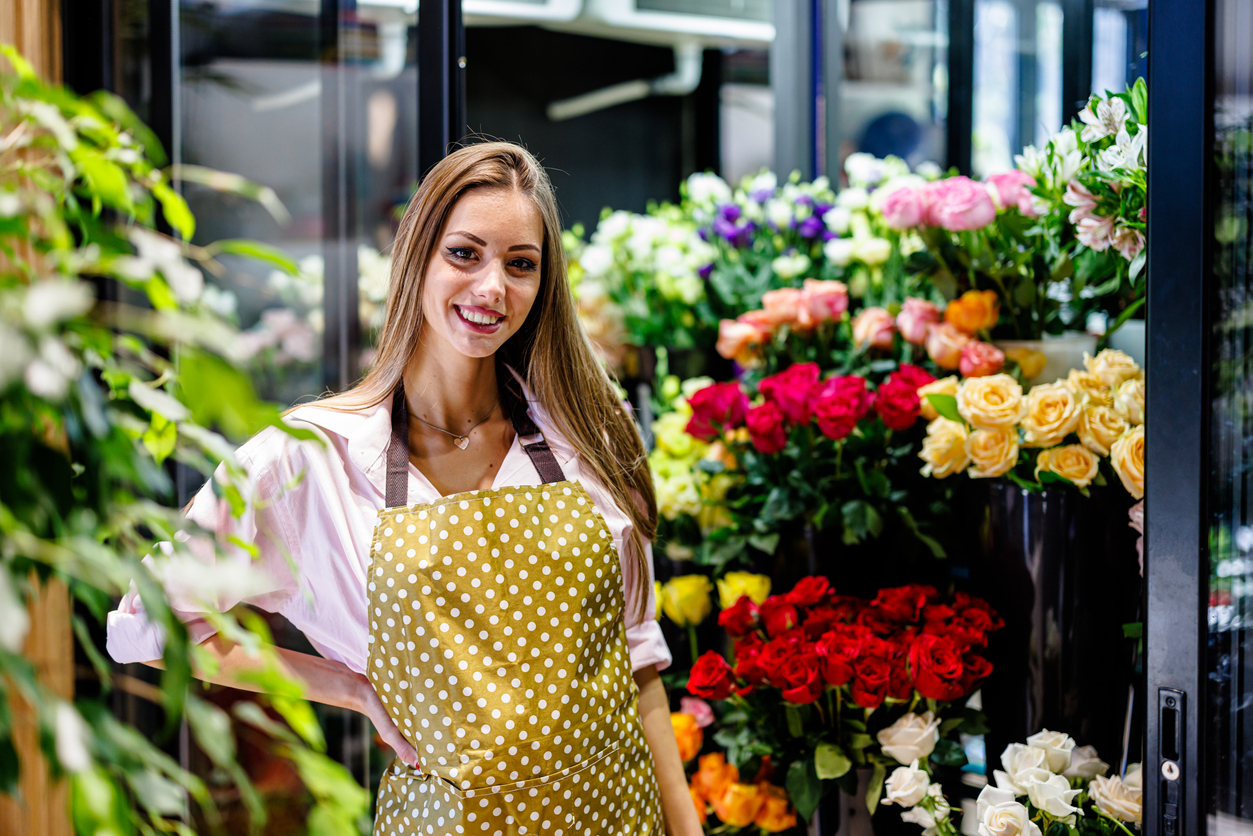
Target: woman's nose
491,282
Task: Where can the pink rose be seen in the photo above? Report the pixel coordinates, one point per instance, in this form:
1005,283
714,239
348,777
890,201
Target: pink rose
1095,233
980,359
1083,201
944,344
737,339
959,203
903,208
916,314
782,306
821,301
839,403
1128,241
873,328
766,427
1012,190
699,709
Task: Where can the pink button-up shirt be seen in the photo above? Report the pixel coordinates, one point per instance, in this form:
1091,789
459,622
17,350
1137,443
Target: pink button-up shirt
316,506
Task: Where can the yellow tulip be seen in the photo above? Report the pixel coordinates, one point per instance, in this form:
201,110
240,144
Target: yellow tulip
685,599
732,585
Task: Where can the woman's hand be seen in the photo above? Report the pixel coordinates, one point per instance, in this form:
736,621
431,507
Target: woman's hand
369,704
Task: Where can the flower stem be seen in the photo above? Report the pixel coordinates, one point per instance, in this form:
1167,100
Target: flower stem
1121,826
691,638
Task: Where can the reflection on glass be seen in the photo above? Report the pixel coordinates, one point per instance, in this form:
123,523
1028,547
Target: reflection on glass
1109,50
1048,49
1228,715
996,87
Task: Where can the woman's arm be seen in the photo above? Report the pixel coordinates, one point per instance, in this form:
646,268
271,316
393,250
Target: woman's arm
324,681
676,801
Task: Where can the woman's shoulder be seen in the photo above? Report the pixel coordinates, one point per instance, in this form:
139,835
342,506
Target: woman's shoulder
311,432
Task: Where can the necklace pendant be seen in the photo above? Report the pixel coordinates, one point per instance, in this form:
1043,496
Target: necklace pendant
462,441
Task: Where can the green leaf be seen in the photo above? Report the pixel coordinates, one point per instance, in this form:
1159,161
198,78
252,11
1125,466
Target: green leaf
105,179
804,787
764,542
1140,100
160,438
212,728
830,761
862,519
175,209
270,255
1127,313
946,405
875,790
9,767
937,550
948,753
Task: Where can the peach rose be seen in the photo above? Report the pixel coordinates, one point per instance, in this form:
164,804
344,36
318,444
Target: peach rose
991,403
1099,428
1127,456
1031,362
737,340
776,813
944,344
688,734
944,449
739,804
782,306
980,359
1129,401
915,316
873,328
1052,413
1113,367
1089,386
943,386
1073,462
821,301
992,452
974,311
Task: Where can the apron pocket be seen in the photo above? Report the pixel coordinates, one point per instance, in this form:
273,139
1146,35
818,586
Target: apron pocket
481,788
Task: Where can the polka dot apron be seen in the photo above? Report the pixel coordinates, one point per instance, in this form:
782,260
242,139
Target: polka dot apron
498,646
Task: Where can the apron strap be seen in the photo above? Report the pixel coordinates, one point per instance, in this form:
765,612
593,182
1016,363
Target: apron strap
532,441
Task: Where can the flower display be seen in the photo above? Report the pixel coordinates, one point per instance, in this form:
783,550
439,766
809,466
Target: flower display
716,789
816,667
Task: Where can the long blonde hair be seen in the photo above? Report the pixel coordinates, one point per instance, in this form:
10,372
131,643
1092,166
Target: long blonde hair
550,351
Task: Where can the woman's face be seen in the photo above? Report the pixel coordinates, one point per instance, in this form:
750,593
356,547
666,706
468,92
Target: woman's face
484,274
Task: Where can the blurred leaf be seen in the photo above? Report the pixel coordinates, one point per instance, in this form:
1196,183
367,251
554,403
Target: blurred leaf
257,250
875,790
804,787
175,209
212,728
830,761
948,753
160,438
221,181
946,406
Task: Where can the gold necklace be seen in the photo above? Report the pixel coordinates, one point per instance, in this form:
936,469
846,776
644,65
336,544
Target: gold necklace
462,441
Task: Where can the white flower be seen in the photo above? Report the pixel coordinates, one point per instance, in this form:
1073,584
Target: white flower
764,182
707,189
853,198
1126,152
1085,764
1053,796
873,251
1032,161
1117,798
999,814
790,266
185,281
10,204
1022,765
51,301
906,786
48,375
920,817
14,620
596,259
839,251
779,213
1109,118
375,272
1058,745
911,738
864,169
1096,233
14,354
838,219
71,739
1134,776
221,301
206,583
929,170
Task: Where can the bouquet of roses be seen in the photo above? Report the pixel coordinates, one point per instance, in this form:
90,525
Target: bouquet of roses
850,676
1057,433
1063,790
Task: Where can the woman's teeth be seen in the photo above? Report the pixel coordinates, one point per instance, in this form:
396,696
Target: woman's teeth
478,318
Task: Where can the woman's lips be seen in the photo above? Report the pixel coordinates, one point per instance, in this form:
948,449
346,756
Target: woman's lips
479,320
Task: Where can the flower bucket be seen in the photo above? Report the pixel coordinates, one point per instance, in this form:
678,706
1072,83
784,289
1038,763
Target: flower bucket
1062,353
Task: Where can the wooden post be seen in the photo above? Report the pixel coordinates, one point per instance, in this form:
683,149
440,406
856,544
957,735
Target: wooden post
34,28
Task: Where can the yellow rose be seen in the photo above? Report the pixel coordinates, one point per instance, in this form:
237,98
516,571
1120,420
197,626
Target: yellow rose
991,403
1088,386
1099,428
944,448
1053,412
1031,362
991,452
1129,400
670,430
943,386
1127,456
685,599
657,599
734,584
1112,367
1074,462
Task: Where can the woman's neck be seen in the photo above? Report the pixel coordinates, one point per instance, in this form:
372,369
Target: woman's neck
450,392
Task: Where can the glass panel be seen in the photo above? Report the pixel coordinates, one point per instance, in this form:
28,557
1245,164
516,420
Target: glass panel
1228,713
894,96
1119,41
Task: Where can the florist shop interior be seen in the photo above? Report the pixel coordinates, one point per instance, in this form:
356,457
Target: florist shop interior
894,288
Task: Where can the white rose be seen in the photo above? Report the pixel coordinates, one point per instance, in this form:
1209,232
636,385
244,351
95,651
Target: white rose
920,817
1053,796
1058,745
906,786
1134,777
999,814
911,738
1022,764
1085,764
1116,798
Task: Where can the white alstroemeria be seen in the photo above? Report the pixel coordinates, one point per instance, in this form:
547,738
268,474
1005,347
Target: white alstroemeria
779,213
864,169
1053,796
906,786
1085,764
1058,746
837,219
853,198
1096,233
55,300
1126,152
1109,118
375,272
49,374
14,620
839,251
707,189
1021,765
1032,161
929,170
14,354
71,739
999,813
790,266
596,259
911,738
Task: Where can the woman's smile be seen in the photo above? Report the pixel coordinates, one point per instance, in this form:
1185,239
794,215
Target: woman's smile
479,320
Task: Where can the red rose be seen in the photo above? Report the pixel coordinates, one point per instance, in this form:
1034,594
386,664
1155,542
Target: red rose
800,678
821,619
809,591
900,686
790,389
838,649
778,615
897,403
963,603
870,681
839,403
877,620
974,669
747,661
740,618
714,408
936,668
913,375
711,677
766,428
903,604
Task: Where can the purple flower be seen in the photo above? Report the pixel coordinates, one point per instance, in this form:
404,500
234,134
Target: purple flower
728,224
729,211
761,195
811,227
706,270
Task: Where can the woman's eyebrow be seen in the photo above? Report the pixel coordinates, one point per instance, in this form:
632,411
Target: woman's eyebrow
476,239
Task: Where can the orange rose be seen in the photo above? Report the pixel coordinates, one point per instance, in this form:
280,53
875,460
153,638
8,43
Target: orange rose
713,775
702,814
976,310
688,734
739,804
782,306
738,340
776,813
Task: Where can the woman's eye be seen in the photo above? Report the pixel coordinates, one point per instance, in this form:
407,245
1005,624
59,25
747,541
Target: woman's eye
523,264
462,253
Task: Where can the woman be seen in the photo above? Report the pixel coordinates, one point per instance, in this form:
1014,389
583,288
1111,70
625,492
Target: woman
478,580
